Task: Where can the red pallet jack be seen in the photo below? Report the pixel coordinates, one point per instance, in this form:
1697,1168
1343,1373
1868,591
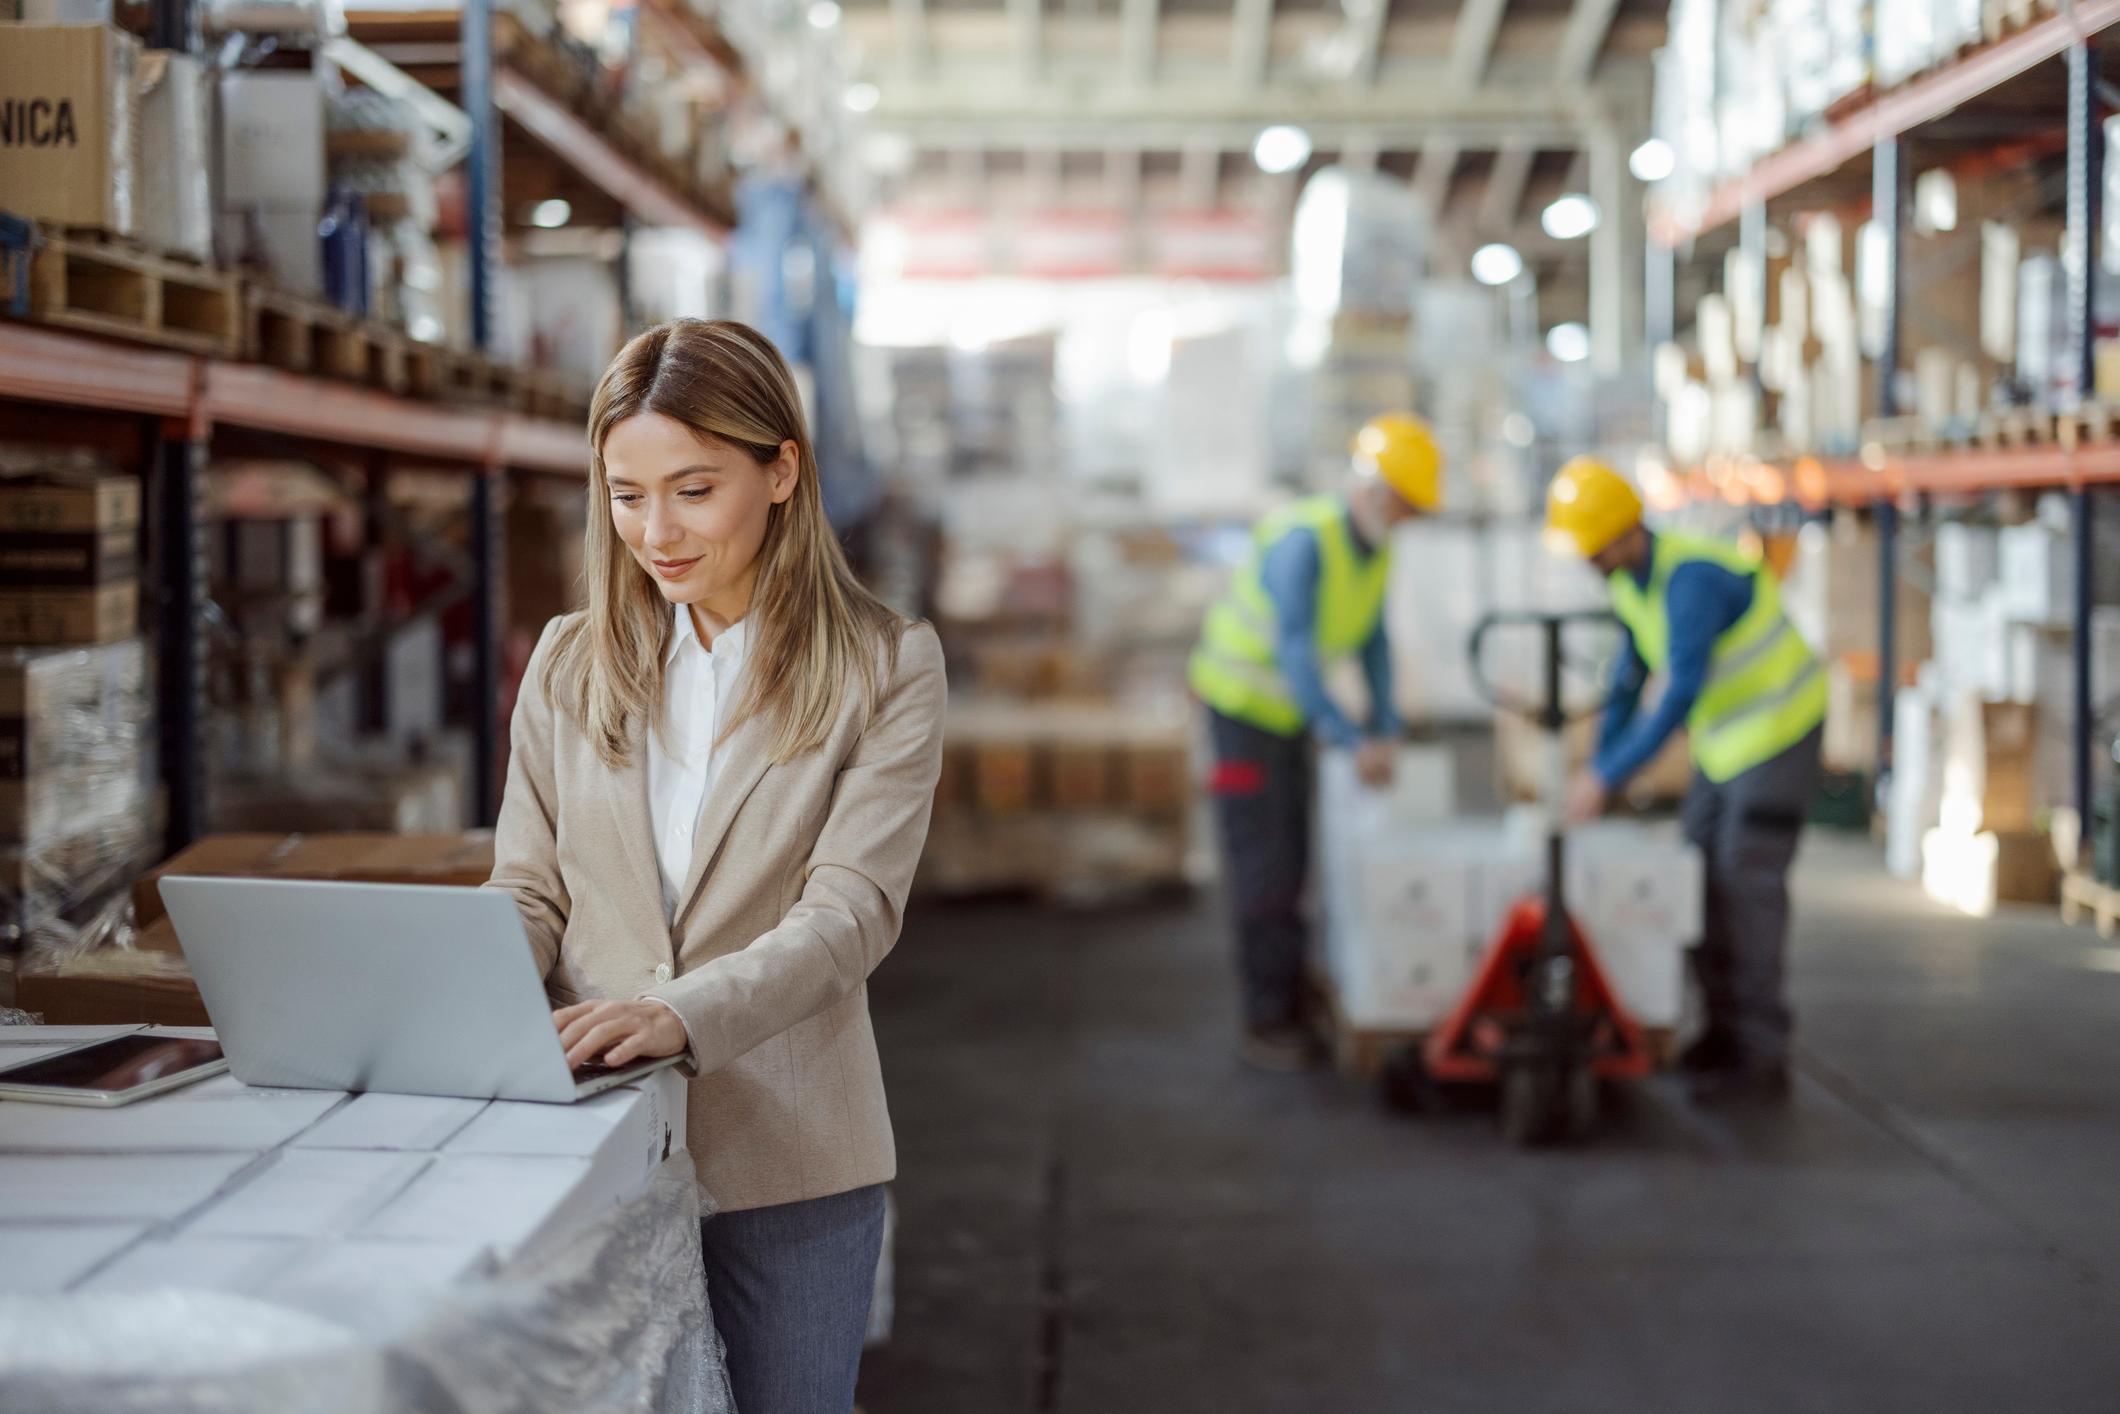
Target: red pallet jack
1539,1021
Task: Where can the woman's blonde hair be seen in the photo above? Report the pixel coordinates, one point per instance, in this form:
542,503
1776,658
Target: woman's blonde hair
813,628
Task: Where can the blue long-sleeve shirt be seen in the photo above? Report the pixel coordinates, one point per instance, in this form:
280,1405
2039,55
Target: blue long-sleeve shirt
1701,600
1290,573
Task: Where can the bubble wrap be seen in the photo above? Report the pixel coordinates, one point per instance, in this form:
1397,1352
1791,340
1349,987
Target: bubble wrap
612,1318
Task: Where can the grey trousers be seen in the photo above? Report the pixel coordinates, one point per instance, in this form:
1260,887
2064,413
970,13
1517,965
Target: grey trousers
1261,788
790,1287
1747,829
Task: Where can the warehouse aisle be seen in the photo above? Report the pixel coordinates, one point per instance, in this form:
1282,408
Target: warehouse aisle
1100,1212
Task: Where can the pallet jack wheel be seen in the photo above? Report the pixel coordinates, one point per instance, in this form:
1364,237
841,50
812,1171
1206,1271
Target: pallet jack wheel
1531,1096
1405,1082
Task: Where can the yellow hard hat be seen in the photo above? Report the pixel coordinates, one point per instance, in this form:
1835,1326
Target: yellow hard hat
1589,506
1399,448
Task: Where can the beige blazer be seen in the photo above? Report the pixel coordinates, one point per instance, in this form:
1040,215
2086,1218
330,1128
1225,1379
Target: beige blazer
797,888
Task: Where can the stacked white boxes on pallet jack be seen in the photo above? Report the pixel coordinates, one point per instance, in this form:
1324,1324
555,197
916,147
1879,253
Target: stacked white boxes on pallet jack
1411,898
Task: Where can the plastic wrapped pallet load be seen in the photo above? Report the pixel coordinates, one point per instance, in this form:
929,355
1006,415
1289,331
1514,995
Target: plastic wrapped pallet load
235,1248
1412,900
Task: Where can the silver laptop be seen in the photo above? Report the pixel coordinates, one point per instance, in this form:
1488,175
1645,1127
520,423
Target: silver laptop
410,988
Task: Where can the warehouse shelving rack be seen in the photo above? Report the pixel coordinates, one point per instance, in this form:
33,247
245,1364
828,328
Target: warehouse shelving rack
62,387
1998,96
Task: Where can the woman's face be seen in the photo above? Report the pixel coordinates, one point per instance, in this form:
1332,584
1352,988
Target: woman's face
692,510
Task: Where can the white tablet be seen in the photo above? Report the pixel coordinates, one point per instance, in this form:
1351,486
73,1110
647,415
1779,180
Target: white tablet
115,1071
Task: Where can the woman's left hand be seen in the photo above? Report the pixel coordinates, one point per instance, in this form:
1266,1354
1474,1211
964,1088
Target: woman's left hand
618,1032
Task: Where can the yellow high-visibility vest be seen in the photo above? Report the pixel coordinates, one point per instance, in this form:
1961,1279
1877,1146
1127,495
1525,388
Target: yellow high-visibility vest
1233,669
1765,690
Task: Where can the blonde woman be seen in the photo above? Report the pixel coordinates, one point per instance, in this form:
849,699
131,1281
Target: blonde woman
721,777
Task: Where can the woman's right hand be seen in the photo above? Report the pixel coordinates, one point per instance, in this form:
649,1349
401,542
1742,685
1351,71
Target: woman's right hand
618,1032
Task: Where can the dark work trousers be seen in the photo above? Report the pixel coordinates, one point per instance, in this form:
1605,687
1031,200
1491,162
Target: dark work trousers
1261,787
1747,829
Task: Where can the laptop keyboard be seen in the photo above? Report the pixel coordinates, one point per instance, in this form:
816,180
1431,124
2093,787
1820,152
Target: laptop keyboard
594,1070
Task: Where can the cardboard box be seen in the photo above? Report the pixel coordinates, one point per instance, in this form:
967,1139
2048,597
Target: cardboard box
67,124
42,505
272,142
113,986
283,246
464,860
1974,872
174,198
39,618
1397,937
68,559
2036,575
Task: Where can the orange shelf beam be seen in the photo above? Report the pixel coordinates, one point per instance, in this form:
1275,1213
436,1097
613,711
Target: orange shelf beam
1920,100
69,370
1849,481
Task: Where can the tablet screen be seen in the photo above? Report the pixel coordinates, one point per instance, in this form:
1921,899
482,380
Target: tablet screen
119,1064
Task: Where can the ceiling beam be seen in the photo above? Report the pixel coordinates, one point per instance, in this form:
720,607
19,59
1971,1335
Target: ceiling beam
1431,177
1365,28
1138,22
1472,42
1588,24
1004,110
1505,186
1251,43
1027,20
909,20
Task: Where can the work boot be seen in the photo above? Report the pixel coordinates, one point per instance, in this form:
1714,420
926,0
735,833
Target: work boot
1742,1085
1283,1047
1714,1049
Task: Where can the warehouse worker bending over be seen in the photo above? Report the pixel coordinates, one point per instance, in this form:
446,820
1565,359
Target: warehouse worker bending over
1708,618
1312,591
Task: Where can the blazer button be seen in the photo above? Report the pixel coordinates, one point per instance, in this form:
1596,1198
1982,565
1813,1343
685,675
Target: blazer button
662,972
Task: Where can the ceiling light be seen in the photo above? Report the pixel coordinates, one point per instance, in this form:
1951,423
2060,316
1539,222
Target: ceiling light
1496,264
1568,343
1281,149
552,214
1518,431
824,14
862,98
1570,217
1652,161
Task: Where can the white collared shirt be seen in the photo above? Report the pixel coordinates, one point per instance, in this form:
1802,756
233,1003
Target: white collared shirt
699,688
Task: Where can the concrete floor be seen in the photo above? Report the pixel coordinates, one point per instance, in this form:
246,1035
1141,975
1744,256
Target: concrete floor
1099,1211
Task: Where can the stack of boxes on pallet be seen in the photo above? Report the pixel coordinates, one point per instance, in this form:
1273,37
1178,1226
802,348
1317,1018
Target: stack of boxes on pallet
1782,360
1412,897
1984,737
148,981
77,816
1076,801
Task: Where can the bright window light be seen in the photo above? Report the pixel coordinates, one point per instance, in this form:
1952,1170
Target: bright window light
1652,161
1570,217
824,15
551,215
1281,149
1496,264
1568,343
862,98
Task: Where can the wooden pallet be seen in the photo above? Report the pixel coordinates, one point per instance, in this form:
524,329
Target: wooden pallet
2081,895
2093,422
2017,427
303,335
103,285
